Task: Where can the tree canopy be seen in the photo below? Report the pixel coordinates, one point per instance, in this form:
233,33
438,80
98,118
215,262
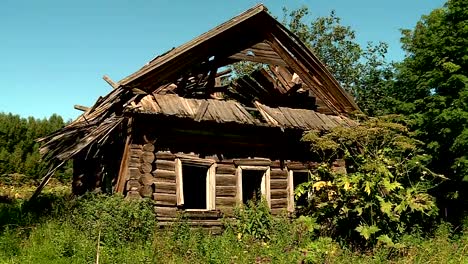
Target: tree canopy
19,152
431,88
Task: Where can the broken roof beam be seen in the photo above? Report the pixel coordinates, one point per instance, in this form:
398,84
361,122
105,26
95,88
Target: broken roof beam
331,90
110,82
81,108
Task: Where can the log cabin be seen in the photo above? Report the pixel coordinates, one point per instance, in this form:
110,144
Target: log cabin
188,133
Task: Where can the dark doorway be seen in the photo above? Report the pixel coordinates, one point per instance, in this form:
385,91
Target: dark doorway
299,178
194,186
251,185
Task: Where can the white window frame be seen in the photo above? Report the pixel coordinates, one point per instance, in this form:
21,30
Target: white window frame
264,185
210,185
290,188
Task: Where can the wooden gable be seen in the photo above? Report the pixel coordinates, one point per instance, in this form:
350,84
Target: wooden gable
193,68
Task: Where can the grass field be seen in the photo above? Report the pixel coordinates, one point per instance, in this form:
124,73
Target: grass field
58,228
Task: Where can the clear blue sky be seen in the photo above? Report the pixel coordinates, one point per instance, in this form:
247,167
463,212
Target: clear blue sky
53,54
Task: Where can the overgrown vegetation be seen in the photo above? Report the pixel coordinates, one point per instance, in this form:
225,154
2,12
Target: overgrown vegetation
59,229
384,193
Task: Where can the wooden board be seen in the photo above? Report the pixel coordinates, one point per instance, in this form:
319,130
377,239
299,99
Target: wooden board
225,180
226,191
277,174
165,187
279,203
278,184
226,201
164,175
225,169
165,199
167,165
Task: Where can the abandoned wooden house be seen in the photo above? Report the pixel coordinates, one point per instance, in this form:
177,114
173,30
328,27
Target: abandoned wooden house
187,133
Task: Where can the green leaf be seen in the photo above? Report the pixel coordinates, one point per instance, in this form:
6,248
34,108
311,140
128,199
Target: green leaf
367,231
367,189
391,186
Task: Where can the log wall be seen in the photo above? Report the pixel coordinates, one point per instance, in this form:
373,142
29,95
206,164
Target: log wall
152,174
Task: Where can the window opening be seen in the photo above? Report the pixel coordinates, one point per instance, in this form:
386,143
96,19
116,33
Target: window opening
299,178
251,185
194,180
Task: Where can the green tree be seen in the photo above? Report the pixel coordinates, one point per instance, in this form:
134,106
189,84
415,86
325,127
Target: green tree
18,147
432,88
363,72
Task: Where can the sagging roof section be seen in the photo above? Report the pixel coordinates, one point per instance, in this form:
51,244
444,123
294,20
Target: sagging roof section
172,105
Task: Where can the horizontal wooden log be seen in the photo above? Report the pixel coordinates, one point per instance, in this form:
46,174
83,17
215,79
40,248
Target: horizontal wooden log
278,184
225,169
293,165
136,153
146,191
165,211
165,199
278,174
200,214
134,162
148,147
165,187
134,173
165,155
136,147
147,179
226,191
226,180
146,168
279,203
165,165
132,185
147,157
164,175
278,193
226,201
252,162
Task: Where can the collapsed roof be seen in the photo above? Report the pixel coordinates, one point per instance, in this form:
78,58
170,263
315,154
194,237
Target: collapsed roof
290,88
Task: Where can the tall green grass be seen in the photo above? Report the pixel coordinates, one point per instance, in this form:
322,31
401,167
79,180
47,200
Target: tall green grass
62,229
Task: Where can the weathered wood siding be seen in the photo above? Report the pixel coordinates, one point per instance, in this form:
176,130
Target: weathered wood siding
152,174
226,187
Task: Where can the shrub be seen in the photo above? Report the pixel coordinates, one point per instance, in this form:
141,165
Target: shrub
385,192
118,220
254,219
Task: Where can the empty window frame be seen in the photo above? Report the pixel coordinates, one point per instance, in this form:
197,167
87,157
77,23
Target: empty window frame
195,186
295,178
253,181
